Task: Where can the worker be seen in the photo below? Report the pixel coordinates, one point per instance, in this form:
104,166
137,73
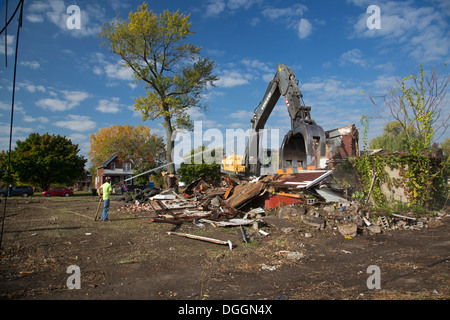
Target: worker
106,192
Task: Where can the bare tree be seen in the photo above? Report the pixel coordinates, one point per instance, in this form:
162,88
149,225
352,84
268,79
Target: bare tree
418,103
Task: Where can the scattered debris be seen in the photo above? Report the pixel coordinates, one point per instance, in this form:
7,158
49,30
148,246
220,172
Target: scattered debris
242,235
316,222
348,230
187,235
268,268
307,202
384,223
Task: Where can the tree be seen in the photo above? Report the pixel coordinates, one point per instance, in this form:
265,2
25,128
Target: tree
445,146
46,160
446,149
175,76
194,169
136,144
393,139
6,176
418,104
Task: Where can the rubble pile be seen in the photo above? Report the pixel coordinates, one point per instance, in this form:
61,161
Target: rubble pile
351,218
303,202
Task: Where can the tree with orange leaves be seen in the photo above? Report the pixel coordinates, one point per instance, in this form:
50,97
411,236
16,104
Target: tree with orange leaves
131,143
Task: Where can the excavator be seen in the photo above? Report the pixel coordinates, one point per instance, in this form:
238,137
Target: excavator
302,146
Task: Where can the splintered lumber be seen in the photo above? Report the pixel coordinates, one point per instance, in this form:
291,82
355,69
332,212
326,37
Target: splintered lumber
192,236
404,217
243,193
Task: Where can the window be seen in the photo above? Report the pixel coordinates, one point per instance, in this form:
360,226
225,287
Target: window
113,166
129,182
126,167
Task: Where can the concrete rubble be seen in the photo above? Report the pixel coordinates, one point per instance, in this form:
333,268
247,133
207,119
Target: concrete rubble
301,203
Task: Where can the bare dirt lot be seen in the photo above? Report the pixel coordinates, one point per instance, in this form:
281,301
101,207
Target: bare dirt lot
129,257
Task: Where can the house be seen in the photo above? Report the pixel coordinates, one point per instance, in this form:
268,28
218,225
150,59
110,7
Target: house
117,170
84,183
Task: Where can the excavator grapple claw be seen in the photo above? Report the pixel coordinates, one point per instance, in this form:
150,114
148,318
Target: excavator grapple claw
302,147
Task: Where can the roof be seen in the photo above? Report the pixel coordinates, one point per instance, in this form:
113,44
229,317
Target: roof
108,161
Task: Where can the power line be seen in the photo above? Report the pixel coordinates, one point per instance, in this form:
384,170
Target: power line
20,5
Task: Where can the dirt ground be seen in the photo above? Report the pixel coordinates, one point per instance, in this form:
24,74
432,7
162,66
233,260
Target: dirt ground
129,257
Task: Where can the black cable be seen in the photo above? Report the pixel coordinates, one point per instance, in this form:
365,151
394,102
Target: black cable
12,111
6,36
20,5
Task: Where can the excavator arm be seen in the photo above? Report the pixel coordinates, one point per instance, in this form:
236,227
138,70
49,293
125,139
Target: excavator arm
305,142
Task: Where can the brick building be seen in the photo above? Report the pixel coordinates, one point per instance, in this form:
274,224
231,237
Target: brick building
117,170
341,143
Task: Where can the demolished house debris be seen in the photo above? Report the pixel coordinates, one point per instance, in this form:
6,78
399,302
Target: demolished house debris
305,202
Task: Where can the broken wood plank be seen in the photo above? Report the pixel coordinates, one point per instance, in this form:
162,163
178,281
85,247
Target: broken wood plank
242,194
404,217
187,235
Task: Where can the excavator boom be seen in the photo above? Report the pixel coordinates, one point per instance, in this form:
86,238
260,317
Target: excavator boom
304,144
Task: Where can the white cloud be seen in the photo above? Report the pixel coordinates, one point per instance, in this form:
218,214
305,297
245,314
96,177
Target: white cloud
419,31
71,100
31,87
75,97
113,71
384,82
5,129
7,107
118,4
10,44
325,92
237,4
38,119
109,106
82,140
292,17
285,13
116,71
353,56
53,104
77,123
31,64
256,64
241,114
231,79
304,28
216,7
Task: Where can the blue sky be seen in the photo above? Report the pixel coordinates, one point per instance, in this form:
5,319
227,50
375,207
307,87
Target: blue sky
67,84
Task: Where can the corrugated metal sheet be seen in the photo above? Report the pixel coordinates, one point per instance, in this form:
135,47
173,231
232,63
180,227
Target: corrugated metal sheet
329,195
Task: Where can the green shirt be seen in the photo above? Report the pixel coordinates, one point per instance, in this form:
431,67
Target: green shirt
106,187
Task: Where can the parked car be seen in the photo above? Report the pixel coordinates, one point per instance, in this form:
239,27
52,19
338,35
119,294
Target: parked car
23,191
63,192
